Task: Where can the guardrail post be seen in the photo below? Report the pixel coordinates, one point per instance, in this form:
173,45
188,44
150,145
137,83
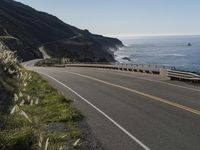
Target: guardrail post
164,73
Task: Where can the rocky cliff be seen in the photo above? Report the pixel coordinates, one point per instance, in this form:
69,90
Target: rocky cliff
24,29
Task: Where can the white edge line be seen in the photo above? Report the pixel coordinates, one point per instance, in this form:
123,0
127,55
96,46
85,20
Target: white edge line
101,112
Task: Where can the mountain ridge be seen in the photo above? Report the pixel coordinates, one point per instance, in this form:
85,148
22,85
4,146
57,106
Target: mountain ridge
31,29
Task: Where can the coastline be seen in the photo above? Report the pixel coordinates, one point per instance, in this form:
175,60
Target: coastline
162,50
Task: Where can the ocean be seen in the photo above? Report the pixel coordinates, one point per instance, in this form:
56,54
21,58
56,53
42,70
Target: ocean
162,50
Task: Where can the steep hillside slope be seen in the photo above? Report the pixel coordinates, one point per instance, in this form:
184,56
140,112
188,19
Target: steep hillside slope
24,29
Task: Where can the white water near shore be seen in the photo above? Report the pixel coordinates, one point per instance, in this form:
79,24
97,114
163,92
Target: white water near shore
162,50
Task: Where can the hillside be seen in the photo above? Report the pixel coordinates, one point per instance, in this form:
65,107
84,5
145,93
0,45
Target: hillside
25,29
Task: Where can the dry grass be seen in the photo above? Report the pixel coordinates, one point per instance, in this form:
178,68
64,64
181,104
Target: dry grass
37,116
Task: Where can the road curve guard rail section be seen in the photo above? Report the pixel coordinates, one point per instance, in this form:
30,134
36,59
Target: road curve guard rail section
151,69
184,76
164,71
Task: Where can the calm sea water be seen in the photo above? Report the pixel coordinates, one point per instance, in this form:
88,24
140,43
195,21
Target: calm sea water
162,50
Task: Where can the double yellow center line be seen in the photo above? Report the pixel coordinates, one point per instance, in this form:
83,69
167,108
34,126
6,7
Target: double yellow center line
155,98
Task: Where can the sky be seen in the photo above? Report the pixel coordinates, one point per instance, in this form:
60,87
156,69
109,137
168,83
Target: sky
126,17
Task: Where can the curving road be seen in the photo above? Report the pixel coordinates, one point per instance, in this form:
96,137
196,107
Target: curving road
132,111
42,47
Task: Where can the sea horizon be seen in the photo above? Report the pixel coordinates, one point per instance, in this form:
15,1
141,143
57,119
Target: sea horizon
166,50
122,37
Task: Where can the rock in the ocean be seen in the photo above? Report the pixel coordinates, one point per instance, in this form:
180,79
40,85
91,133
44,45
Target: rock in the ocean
126,58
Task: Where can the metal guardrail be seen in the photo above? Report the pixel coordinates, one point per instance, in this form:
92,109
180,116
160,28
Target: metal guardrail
165,71
180,75
123,64
151,69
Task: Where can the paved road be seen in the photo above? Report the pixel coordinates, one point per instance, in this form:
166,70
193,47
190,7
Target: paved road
30,63
132,111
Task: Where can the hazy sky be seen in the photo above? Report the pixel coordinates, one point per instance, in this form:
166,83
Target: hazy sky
126,17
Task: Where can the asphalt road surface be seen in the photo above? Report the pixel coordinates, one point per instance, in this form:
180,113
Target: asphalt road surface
132,111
